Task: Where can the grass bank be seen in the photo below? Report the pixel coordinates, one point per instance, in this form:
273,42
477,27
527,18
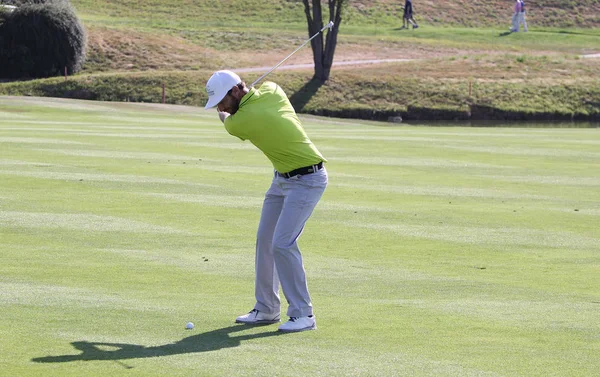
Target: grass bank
371,93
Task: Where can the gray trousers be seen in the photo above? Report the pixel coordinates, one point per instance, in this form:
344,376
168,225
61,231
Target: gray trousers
515,23
523,21
288,204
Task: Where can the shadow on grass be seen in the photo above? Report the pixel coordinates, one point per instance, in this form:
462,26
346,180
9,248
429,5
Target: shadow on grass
208,341
571,32
505,34
302,96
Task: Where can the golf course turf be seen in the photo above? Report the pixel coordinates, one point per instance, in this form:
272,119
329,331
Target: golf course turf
435,251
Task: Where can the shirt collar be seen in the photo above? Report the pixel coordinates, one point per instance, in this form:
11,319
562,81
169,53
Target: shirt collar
247,96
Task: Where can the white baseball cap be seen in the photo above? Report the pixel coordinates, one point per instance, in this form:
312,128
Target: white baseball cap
218,85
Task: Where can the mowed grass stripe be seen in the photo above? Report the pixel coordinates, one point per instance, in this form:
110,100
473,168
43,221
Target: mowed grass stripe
7,162
388,137
73,176
109,122
221,145
412,161
120,154
448,192
484,235
37,140
96,127
129,135
583,211
79,222
229,201
60,296
522,151
495,135
547,180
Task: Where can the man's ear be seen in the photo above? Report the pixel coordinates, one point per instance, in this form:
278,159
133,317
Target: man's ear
237,92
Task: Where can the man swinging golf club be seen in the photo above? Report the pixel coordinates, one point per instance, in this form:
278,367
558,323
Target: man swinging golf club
266,117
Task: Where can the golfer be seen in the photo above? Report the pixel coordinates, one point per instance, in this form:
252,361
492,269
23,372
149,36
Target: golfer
266,117
516,17
522,17
408,17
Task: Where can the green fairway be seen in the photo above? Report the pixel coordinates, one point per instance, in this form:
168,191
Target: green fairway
435,251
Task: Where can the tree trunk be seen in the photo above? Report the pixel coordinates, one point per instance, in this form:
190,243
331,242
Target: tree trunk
323,52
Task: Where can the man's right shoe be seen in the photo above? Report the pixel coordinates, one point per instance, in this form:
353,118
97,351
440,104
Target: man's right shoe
256,317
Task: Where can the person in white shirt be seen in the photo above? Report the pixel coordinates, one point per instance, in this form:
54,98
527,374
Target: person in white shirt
522,20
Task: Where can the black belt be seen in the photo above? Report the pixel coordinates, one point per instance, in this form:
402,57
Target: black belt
302,171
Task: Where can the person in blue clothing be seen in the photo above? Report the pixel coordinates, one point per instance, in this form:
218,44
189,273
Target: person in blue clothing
408,17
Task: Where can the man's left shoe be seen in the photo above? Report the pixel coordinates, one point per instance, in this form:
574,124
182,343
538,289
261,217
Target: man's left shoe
256,317
297,324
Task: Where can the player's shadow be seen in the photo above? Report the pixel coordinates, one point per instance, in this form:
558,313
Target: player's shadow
504,34
208,341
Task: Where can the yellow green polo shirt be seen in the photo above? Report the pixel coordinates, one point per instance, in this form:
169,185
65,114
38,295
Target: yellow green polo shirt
266,118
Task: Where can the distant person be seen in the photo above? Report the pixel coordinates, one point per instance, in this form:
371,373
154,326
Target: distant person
516,17
522,19
408,17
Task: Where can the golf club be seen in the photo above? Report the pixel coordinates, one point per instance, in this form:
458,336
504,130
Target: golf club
328,26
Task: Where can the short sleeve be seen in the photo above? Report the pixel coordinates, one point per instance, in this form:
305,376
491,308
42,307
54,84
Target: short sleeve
234,127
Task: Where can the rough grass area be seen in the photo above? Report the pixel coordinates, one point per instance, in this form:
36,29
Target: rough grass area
457,72
482,87
436,251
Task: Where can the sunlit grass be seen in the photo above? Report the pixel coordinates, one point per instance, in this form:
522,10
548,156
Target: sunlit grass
449,251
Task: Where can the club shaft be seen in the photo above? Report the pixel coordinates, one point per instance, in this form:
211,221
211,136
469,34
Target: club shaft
329,25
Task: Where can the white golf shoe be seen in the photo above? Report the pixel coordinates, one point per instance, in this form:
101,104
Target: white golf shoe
256,317
297,324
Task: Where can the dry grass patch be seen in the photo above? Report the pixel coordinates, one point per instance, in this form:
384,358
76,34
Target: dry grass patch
116,50
130,50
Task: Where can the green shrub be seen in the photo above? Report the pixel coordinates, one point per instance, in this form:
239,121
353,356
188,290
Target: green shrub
19,3
40,39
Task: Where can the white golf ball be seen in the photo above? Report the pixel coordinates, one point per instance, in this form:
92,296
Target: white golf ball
189,325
